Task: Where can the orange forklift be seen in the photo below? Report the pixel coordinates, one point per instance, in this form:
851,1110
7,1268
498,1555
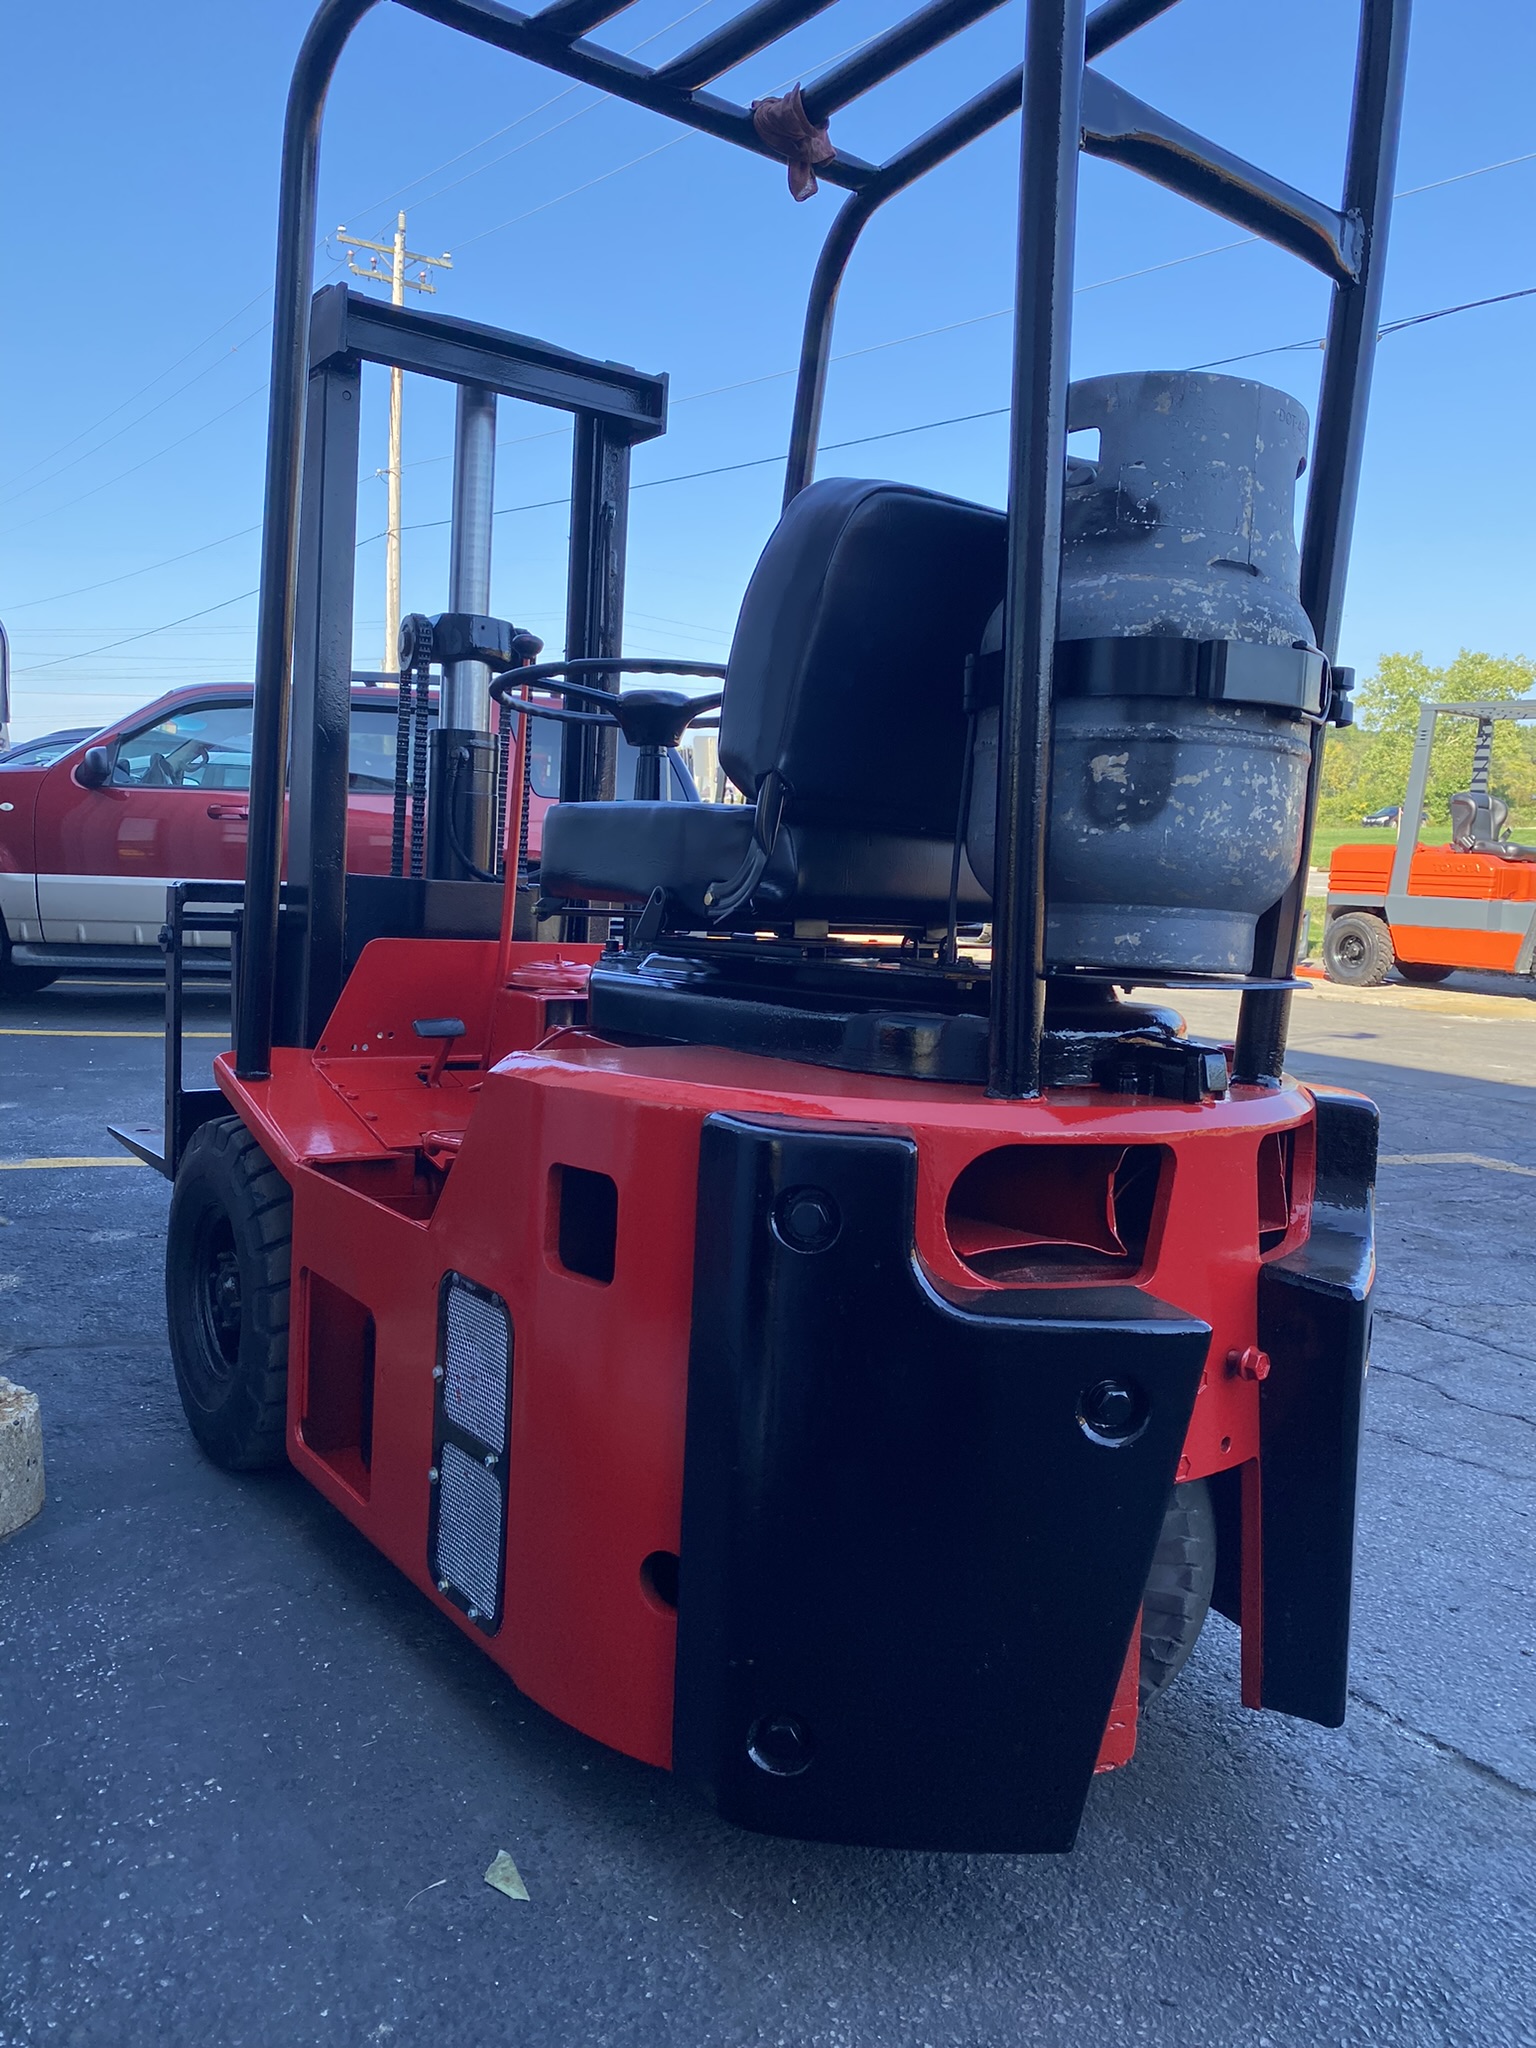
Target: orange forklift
842,1373
1427,910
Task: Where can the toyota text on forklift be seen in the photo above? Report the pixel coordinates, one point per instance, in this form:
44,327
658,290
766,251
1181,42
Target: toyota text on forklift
841,1372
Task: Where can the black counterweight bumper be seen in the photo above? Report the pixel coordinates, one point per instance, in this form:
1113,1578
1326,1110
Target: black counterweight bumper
1315,1325
915,1528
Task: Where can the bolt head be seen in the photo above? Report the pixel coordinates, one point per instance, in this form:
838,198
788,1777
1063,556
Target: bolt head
432,1475
807,1219
1112,1411
437,1372
1249,1364
781,1745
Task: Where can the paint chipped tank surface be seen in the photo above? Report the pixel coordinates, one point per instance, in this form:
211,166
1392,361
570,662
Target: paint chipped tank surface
1176,818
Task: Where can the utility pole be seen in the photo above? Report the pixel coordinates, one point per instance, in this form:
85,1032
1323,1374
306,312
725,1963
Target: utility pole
399,284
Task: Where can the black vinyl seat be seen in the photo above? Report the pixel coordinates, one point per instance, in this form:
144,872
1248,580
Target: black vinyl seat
843,723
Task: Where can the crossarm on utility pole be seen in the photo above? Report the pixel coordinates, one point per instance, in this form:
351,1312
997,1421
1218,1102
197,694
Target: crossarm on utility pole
399,284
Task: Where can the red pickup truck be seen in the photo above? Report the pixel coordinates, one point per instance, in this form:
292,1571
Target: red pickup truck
84,869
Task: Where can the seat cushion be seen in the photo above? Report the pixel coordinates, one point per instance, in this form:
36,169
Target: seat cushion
620,852
847,668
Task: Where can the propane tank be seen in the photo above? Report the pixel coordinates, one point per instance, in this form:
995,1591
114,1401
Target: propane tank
1186,678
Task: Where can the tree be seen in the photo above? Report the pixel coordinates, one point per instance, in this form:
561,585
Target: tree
1366,766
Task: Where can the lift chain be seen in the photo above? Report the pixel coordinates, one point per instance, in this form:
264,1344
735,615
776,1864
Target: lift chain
402,775
411,733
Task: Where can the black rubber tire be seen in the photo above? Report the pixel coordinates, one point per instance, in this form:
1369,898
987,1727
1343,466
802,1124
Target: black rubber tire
1421,971
26,981
1357,950
226,1296
1178,1594
21,981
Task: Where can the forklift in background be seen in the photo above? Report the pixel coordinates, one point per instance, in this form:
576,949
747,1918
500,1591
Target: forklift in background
1428,910
843,1373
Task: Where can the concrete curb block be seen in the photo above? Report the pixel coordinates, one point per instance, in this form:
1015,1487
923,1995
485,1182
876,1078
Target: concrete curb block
21,1457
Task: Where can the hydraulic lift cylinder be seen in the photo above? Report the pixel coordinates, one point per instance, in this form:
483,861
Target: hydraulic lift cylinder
460,834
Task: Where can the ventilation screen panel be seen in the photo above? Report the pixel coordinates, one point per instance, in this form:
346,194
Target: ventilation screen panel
476,1348
470,1531
471,1433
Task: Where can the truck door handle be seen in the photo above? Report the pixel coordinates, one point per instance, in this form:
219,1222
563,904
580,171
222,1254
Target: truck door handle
239,811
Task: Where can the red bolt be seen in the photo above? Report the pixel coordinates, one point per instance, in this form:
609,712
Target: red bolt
1249,1364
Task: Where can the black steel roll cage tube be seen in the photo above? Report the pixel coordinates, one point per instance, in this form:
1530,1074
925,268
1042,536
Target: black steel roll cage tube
1068,108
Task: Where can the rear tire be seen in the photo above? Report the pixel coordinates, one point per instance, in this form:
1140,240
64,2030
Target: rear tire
1422,971
1178,1594
1357,950
226,1295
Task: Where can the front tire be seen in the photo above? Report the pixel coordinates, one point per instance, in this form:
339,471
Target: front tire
226,1295
1357,950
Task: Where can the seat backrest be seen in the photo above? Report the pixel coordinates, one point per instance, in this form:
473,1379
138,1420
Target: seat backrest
847,670
1477,820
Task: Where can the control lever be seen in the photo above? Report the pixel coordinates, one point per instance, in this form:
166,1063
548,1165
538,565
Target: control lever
446,1031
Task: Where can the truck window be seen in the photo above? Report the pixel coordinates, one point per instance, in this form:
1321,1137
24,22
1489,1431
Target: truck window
204,746
371,749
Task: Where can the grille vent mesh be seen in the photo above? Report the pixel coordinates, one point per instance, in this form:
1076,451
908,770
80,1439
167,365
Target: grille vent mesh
469,1528
475,1367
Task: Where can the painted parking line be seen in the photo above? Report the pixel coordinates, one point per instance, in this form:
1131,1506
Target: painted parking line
52,1031
36,1165
1455,1159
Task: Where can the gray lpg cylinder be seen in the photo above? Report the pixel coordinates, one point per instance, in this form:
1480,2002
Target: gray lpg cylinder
1179,769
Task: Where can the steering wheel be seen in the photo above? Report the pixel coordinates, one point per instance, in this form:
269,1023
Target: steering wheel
647,718
181,762
187,758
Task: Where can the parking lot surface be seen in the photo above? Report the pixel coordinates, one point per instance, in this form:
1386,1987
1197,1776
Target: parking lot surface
250,1781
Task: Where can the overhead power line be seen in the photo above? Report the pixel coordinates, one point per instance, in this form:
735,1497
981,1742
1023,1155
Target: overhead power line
133,398
496,134
90,454
1455,178
1458,177
1283,348
97,489
763,461
149,632
128,575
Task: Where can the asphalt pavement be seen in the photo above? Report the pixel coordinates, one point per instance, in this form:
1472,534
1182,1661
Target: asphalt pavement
250,1781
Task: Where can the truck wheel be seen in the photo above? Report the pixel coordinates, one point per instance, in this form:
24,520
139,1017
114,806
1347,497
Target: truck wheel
1178,1594
21,981
1357,950
25,981
1422,971
226,1295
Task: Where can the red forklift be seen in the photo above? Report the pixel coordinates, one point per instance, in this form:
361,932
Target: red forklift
800,1353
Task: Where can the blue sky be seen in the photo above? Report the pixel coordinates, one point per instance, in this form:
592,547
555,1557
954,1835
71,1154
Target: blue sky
141,149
